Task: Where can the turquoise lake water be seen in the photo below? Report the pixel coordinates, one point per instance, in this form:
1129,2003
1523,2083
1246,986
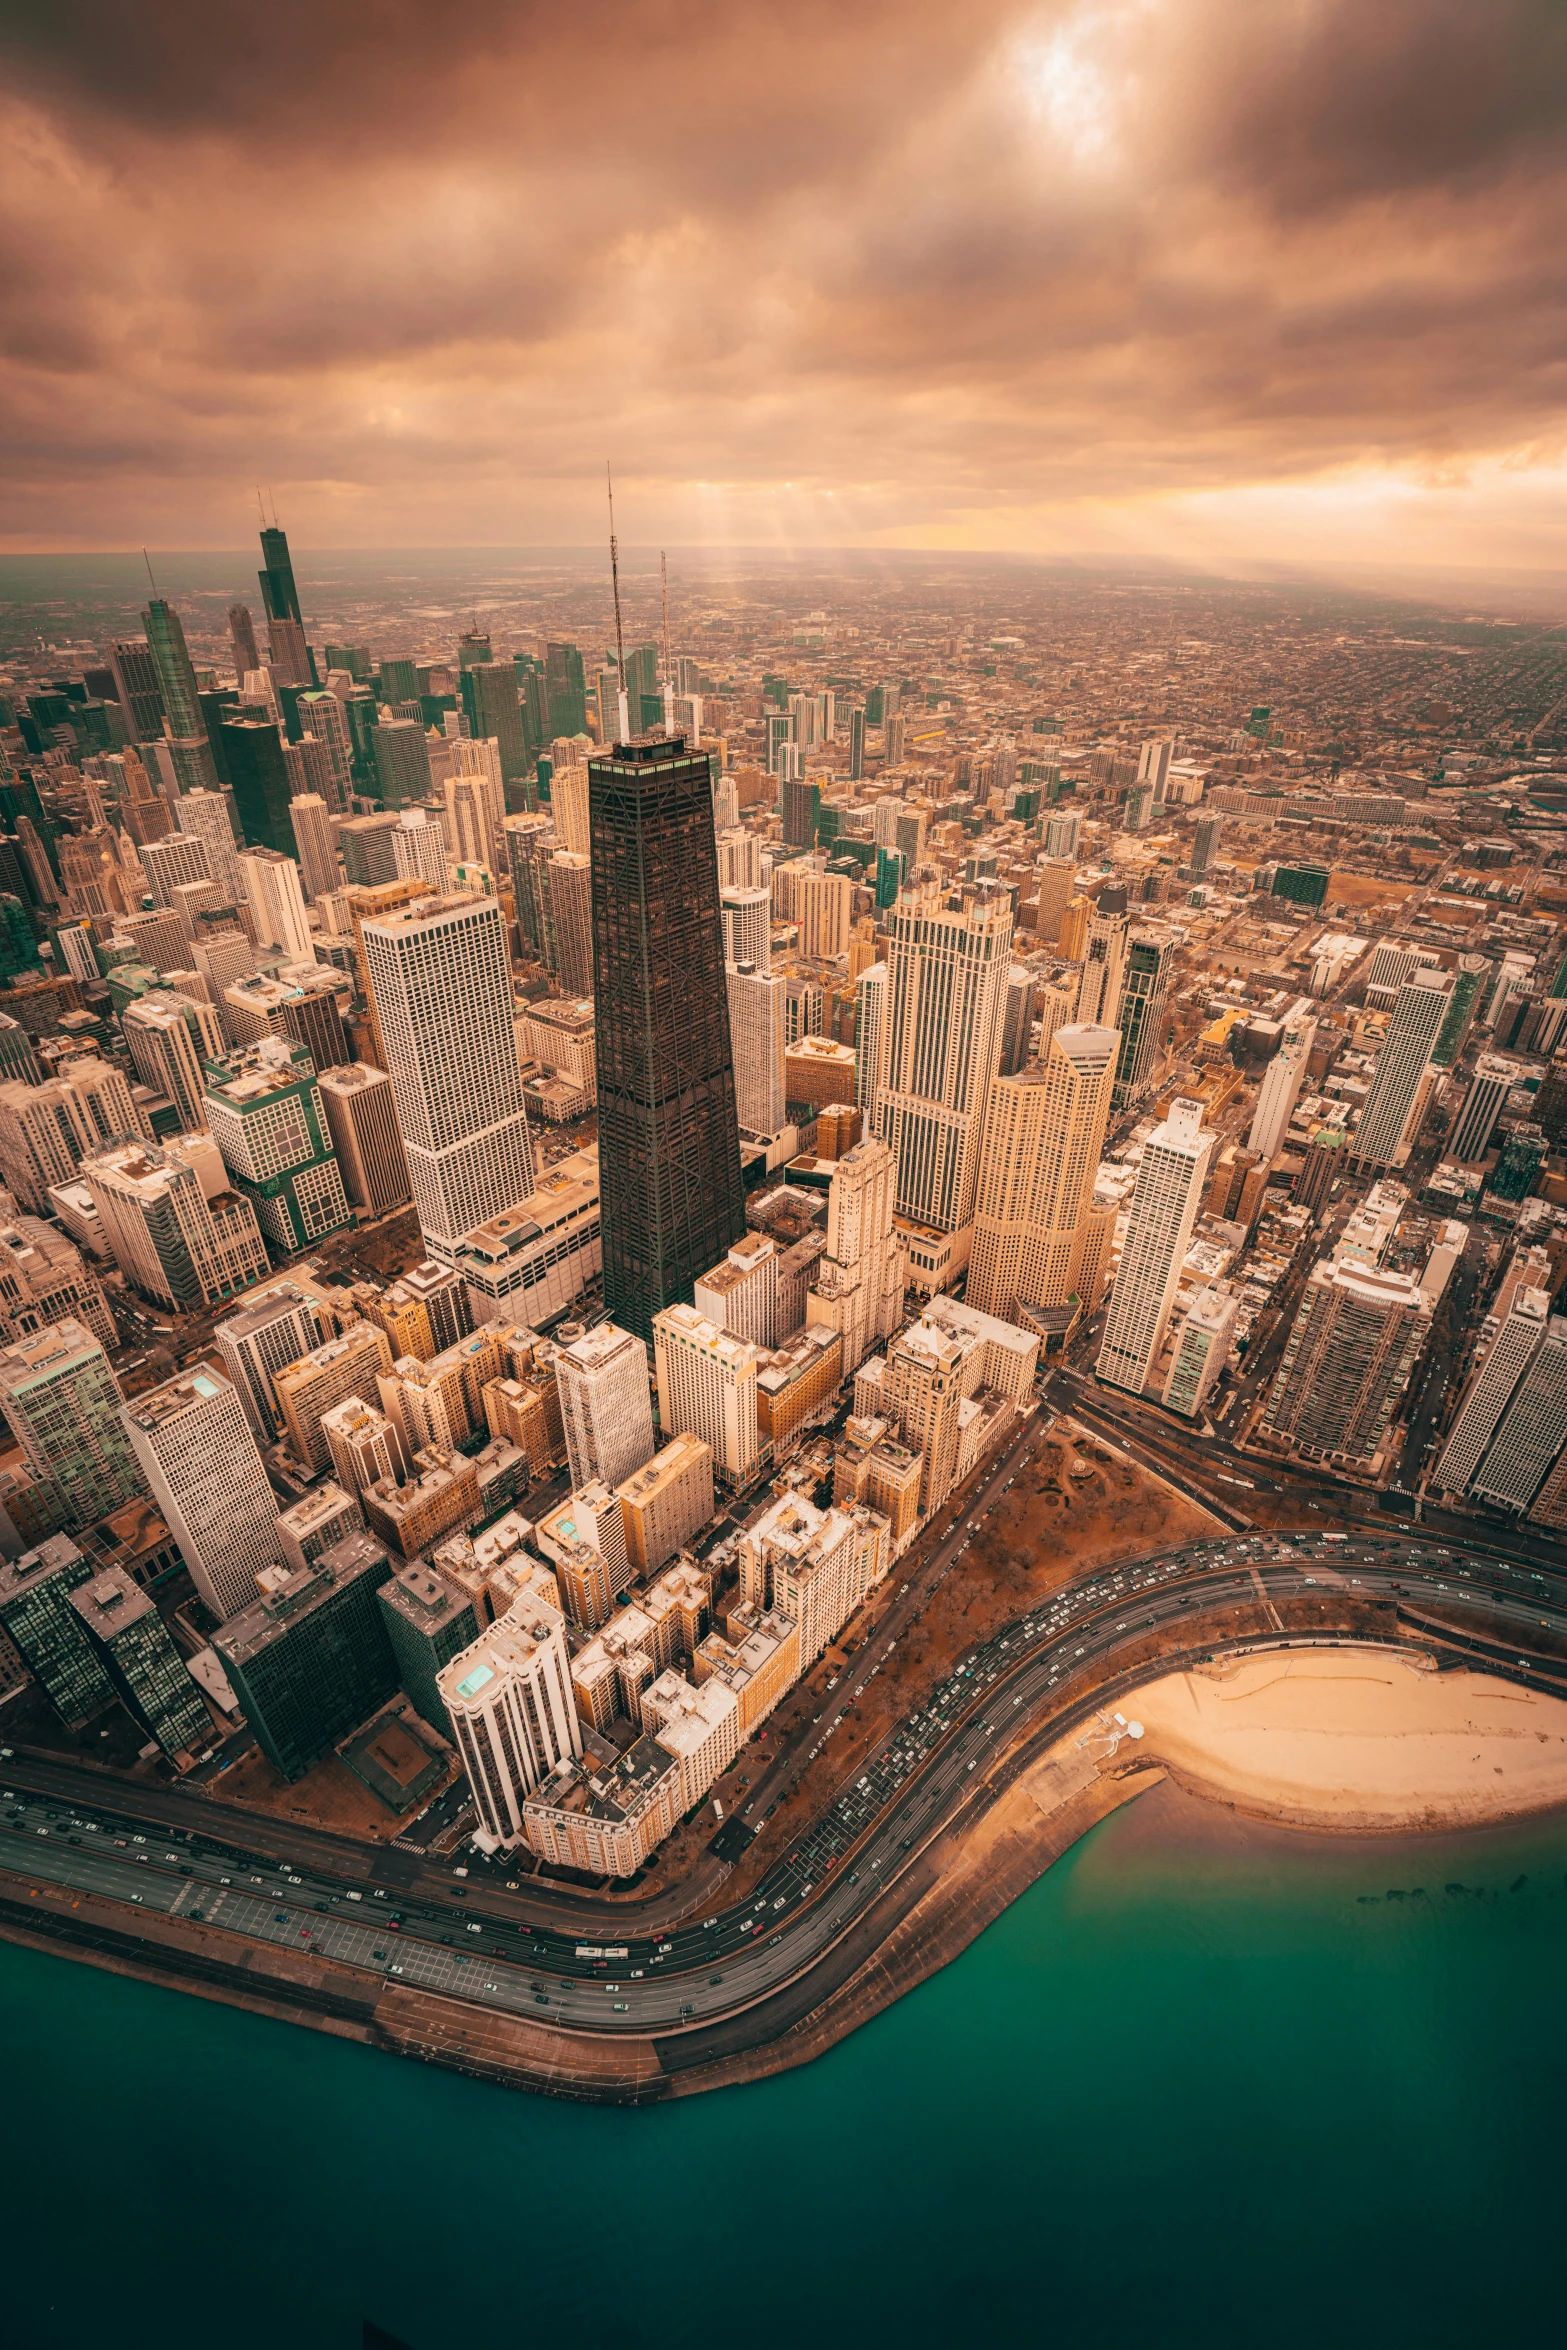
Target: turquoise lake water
1206,2083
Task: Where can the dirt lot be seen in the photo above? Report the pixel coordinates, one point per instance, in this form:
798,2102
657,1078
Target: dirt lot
1367,889
327,1797
1051,1528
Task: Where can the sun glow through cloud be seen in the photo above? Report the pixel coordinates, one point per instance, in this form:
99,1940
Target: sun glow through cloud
1122,275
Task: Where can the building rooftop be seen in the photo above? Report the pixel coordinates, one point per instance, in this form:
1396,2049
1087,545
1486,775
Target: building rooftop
44,1351
510,1644
570,1189
389,1758
109,1602
423,1598
313,1508
34,1567
677,1457
611,1792
573,1013
287,1594
353,1077
248,1079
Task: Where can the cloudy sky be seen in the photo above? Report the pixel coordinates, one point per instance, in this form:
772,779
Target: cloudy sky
1237,279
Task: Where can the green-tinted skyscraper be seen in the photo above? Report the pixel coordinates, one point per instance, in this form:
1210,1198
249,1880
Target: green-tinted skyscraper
63,1403
278,592
494,712
18,947
399,680
176,673
311,1660
428,1622
258,774
263,1108
35,1608
148,1672
1145,983
565,690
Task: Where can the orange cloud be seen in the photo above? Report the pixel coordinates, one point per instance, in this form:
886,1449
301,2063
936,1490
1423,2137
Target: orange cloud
1112,274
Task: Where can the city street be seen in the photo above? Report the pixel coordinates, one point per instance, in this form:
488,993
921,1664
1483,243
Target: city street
1043,1673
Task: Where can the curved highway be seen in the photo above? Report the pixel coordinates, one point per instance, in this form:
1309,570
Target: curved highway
1041,1672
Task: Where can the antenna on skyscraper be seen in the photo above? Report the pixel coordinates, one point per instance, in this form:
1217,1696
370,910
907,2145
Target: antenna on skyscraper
147,559
261,512
663,573
620,642
669,675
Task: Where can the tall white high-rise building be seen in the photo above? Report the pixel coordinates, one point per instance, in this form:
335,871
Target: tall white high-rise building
509,1700
180,858
1164,1209
208,816
1104,961
860,1281
740,859
748,926
442,986
311,820
200,1461
707,1388
277,903
871,1035
1512,1350
1533,1429
824,909
324,719
757,1003
1057,883
268,1332
949,950
1062,834
569,807
1153,766
1494,1079
1280,1089
474,803
1044,1133
419,848
1404,1079
601,1379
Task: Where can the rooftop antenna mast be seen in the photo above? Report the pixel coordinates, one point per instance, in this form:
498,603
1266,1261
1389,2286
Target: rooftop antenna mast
147,559
669,674
624,712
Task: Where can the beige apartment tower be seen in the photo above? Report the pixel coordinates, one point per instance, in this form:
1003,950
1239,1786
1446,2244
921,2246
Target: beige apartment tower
362,1116
1044,1132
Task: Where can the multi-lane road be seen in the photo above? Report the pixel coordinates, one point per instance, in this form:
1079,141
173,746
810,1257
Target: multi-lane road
1050,1668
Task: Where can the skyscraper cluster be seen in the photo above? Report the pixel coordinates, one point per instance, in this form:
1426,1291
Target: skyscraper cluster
720,1082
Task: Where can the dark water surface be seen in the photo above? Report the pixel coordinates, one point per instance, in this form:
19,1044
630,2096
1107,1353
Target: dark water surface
1206,2083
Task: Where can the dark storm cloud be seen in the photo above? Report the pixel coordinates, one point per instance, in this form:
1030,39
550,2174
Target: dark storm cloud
424,266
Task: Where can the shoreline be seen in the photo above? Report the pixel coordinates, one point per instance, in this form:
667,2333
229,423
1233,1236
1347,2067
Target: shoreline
1367,1742
1358,1743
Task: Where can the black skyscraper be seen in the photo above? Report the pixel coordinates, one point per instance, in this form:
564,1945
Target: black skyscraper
254,764
278,592
669,1154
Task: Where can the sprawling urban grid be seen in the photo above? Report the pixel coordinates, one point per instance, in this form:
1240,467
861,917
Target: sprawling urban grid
562,1157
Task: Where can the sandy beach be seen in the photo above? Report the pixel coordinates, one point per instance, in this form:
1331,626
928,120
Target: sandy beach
1356,1739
